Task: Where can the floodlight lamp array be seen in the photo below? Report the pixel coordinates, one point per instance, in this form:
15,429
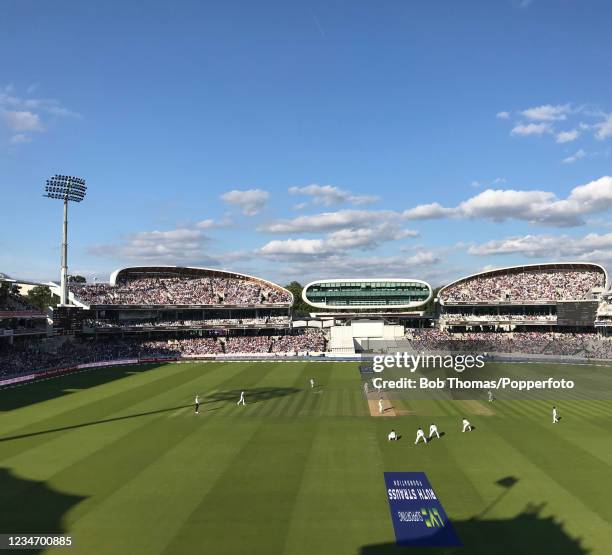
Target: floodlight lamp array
65,187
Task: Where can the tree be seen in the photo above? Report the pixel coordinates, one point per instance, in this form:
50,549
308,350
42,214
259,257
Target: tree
5,288
76,279
41,297
300,308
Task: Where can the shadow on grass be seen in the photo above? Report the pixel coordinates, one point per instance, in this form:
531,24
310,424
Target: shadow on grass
528,532
36,392
31,507
91,423
253,395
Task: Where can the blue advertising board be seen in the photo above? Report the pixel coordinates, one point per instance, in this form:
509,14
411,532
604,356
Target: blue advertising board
418,516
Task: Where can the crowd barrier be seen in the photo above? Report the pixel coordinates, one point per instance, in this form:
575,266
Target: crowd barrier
35,376
43,374
321,357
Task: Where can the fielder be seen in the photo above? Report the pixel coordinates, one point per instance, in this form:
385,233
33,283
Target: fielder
555,417
366,389
466,425
241,401
490,394
312,383
392,436
197,404
420,435
433,429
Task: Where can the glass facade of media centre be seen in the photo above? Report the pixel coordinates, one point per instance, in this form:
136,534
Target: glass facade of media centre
367,293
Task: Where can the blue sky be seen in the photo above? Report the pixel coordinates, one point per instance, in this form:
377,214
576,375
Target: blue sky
307,140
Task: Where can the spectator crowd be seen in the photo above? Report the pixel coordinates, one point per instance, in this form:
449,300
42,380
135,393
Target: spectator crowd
207,322
452,318
14,361
183,291
589,345
535,285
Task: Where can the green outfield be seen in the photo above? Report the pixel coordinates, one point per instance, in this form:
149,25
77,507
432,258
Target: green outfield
117,459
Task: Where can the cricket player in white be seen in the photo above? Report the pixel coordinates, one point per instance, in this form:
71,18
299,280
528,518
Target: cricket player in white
312,383
381,407
197,404
392,436
433,429
555,417
365,388
378,388
490,394
420,435
466,425
241,400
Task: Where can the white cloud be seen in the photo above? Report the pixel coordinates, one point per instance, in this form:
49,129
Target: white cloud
525,129
494,204
337,241
328,195
328,221
251,201
368,238
604,129
427,212
547,112
502,204
213,224
206,224
27,115
599,222
593,247
567,136
182,245
294,247
540,121
21,120
421,265
541,207
578,155
595,196
528,245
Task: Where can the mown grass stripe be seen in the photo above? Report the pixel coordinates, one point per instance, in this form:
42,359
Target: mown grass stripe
263,508
107,411
165,492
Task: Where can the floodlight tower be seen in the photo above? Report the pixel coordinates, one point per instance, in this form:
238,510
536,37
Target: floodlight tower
68,189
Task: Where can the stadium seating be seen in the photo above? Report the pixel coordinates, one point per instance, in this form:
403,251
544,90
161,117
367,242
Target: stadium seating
525,285
450,318
15,361
588,345
191,324
183,291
